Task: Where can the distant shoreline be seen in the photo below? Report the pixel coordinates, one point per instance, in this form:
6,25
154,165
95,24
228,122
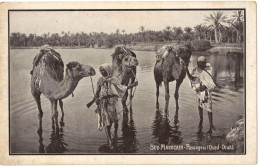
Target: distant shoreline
152,47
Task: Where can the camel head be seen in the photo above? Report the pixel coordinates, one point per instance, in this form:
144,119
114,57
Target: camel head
125,57
184,53
78,71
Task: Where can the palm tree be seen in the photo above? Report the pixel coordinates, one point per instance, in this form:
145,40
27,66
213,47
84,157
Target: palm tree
142,32
237,22
23,39
167,32
78,38
216,19
200,31
117,31
209,33
188,29
168,28
178,32
123,31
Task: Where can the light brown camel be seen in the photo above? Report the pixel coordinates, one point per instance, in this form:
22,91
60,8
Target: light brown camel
170,66
47,79
124,64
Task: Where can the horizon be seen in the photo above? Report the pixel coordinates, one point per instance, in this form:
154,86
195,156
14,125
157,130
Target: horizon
103,21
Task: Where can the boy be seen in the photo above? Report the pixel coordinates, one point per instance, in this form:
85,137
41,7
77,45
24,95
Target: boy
203,73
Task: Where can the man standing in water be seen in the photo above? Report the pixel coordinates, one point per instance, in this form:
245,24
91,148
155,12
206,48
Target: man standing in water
109,89
203,72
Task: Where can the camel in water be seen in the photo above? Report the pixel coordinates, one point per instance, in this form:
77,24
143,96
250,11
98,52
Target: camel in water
48,79
124,64
170,66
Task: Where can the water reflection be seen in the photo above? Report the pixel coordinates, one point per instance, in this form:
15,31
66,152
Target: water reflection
39,132
128,142
176,133
105,148
163,132
227,105
57,143
227,67
200,136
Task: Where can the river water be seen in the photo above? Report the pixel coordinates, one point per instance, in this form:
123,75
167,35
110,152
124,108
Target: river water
144,128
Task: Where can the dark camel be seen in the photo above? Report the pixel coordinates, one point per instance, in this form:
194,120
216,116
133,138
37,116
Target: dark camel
124,64
47,79
170,66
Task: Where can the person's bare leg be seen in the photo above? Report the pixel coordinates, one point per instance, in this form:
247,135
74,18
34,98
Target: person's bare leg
108,133
201,119
211,126
200,114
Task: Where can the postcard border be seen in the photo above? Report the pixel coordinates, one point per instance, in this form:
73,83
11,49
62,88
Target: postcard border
161,9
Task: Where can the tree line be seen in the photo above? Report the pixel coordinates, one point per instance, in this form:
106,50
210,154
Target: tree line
218,28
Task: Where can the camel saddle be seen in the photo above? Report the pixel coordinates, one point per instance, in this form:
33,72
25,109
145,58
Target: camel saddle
46,49
176,62
53,60
160,54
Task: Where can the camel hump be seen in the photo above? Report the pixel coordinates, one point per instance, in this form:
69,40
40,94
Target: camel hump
54,65
163,52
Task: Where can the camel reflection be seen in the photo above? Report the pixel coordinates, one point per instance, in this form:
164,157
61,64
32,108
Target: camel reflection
127,143
39,132
57,143
163,132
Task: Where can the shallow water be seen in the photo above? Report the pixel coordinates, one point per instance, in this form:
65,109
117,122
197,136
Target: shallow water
137,132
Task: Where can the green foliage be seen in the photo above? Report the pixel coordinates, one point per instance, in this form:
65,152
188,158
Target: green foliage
200,45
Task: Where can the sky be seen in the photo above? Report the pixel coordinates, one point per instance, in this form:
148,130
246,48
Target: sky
40,22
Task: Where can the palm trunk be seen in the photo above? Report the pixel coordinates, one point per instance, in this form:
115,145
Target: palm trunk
238,37
220,36
216,35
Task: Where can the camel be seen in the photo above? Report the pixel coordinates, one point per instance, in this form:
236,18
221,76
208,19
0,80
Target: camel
48,79
124,64
170,66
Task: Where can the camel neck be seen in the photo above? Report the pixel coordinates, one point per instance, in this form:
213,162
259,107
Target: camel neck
63,88
116,69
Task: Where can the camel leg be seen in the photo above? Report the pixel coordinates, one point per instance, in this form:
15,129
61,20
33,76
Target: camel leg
157,94
167,94
37,98
61,107
62,116
54,110
176,94
124,98
131,97
39,131
131,90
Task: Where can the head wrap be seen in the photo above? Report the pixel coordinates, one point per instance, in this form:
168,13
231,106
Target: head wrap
108,69
202,59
